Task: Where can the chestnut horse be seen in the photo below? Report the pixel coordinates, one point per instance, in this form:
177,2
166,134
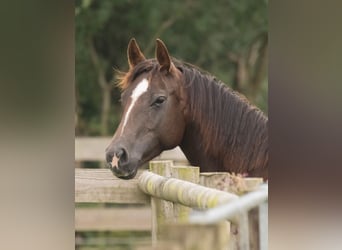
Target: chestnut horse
168,103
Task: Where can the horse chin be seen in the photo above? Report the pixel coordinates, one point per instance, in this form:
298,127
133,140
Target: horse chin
128,176
123,174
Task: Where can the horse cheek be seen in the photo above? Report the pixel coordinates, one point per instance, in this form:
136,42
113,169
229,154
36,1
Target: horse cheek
172,132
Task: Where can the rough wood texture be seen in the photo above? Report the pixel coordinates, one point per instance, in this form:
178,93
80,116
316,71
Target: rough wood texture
185,173
253,224
161,245
185,193
237,185
162,211
196,236
166,211
113,219
229,182
100,185
176,155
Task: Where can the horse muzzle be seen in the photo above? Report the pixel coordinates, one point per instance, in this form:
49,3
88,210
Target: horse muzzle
119,163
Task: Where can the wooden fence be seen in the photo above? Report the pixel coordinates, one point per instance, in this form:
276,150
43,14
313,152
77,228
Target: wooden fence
96,186
162,200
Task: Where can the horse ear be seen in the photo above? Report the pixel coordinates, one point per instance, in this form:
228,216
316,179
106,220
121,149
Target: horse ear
163,56
134,53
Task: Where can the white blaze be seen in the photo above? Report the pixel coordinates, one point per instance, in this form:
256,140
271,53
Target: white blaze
140,89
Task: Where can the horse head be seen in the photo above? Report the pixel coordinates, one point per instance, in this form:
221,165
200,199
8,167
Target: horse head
153,117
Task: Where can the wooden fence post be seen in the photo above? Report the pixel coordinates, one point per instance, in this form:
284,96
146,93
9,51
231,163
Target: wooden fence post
237,185
186,236
162,211
186,173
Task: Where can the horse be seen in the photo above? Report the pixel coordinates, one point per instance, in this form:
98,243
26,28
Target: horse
168,103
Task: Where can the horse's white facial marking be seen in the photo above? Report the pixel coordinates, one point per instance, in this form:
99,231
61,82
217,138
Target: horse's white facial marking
139,90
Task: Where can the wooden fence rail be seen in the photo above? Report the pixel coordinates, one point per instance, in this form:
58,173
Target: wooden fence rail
182,192
100,185
171,192
171,200
113,219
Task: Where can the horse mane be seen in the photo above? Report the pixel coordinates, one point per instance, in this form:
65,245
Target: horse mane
227,120
121,79
124,78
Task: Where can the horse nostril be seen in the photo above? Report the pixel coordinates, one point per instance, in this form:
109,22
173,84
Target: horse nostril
109,156
121,154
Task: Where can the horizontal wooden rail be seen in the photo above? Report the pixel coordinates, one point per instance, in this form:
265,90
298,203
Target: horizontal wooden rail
100,185
91,148
183,192
113,219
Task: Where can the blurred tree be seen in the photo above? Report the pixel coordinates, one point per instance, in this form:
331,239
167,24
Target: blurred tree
227,38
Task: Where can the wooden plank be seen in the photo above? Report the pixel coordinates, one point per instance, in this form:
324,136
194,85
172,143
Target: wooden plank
113,219
243,232
176,155
253,220
100,185
185,173
229,182
93,149
197,236
162,211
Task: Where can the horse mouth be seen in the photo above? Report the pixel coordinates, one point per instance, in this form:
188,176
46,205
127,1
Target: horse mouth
128,169
130,174
125,175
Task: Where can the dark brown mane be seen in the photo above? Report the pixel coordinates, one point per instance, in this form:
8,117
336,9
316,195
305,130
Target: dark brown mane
231,128
229,124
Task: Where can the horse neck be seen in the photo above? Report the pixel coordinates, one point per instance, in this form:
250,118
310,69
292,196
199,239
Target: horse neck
225,133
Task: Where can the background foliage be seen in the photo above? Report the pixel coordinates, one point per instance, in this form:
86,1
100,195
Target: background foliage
227,38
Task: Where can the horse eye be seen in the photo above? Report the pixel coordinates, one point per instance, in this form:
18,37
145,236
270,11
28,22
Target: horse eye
159,101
